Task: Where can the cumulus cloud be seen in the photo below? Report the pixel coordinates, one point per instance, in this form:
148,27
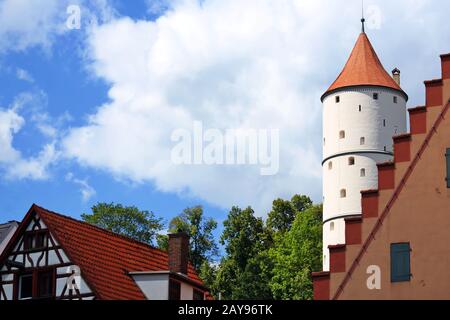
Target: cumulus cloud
86,190
236,64
12,162
37,23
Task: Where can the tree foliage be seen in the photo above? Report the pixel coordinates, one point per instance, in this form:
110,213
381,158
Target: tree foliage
271,260
203,247
296,254
128,221
242,273
284,212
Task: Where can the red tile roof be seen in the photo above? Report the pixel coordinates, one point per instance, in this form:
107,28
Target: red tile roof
363,68
105,258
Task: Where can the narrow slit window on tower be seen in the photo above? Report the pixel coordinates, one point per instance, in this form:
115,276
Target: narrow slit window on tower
330,165
395,99
332,226
384,122
360,108
338,99
385,149
351,161
342,134
363,172
362,141
343,193
375,96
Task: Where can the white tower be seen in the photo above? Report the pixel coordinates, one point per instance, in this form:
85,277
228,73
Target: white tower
363,109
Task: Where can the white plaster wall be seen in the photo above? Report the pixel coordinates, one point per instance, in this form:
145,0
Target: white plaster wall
9,290
5,241
367,123
348,177
187,292
154,286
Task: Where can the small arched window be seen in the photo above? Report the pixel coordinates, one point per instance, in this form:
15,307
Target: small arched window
351,161
362,141
332,226
395,99
360,108
330,165
363,172
375,96
343,193
342,134
338,99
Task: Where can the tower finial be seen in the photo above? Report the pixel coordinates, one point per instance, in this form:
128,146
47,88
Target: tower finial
363,20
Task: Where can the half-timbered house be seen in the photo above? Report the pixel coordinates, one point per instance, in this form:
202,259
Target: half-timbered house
51,256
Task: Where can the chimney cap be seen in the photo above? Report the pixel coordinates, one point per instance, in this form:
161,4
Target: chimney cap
396,71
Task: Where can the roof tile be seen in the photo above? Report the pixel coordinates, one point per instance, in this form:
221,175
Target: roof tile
105,258
363,68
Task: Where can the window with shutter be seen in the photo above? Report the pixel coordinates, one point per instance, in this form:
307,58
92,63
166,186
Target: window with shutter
400,262
447,156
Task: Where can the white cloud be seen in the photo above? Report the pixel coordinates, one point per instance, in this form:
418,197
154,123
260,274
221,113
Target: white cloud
157,7
249,64
24,75
26,23
37,23
12,162
86,190
35,168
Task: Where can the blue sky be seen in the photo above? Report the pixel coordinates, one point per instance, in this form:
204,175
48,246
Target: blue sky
61,76
86,115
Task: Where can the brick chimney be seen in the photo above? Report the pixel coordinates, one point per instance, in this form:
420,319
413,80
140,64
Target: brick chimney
396,75
178,252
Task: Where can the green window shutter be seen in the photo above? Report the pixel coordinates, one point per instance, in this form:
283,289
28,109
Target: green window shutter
400,262
447,155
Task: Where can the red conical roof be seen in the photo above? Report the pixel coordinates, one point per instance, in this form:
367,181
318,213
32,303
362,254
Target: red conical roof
363,68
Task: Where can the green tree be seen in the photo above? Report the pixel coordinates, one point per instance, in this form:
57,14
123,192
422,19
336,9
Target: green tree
208,273
296,254
301,202
203,247
128,221
284,212
243,272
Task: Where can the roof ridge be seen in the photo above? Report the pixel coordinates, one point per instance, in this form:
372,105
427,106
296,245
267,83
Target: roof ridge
391,202
92,226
